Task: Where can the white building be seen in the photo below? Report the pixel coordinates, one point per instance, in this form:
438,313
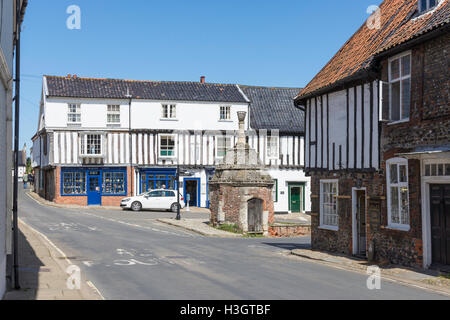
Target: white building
102,139
8,22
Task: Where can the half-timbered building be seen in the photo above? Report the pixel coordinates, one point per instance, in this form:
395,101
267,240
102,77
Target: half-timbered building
377,135
100,140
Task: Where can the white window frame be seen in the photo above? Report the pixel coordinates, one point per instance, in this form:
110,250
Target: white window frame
277,155
399,162
174,136
428,7
227,146
322,224
83,145
114,113
400,79
76,113
170,113
225,110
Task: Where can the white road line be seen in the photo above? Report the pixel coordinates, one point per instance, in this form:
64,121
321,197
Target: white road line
184,234
63,255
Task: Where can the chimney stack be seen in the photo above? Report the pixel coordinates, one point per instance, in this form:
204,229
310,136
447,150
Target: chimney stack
202,79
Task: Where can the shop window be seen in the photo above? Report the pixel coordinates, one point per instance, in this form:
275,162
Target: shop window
74,183
114,183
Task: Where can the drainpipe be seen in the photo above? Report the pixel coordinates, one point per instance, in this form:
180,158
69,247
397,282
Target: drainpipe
130,99
16,150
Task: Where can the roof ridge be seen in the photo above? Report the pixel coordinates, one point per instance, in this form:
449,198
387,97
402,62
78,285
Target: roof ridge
142,81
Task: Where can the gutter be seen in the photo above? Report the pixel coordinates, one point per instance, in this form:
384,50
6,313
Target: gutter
365,74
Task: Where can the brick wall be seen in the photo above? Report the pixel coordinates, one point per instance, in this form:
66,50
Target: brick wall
231,197
82,200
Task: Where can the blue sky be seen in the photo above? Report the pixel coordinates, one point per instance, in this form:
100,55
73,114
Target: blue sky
269,43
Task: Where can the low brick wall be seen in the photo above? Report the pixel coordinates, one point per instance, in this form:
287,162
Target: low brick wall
286,231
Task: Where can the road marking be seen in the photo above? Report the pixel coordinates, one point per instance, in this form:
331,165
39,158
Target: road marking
63,255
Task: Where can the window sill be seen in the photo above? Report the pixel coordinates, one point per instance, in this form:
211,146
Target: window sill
228,121
398,228
329,228
397,122
168,119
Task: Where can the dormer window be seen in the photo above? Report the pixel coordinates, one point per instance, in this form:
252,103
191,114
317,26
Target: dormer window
426,5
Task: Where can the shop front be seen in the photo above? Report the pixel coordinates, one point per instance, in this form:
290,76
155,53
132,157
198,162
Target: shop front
93,186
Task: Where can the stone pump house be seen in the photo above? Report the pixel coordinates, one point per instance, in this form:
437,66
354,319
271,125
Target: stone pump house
241,189
378,139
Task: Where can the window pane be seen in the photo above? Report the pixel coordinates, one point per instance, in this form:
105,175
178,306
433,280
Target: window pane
427,170
406,98
403,174
433,170
423,5
395,216
432,3
405,206
395,101
447,169
394,173
406,65
395,69
440,170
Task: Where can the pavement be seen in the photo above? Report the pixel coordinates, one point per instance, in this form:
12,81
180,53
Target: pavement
129,255
200,226
426,279
42,271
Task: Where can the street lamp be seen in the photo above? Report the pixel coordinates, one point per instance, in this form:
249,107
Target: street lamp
178,191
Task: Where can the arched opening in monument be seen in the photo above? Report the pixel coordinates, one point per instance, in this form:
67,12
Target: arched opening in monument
255,216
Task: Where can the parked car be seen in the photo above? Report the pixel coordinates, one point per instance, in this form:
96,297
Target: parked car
155,199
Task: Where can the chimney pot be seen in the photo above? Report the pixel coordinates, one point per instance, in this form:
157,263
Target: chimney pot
69,76
202,79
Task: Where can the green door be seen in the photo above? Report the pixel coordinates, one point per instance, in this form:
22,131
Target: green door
296,199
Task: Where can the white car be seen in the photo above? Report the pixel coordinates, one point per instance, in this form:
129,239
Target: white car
155,199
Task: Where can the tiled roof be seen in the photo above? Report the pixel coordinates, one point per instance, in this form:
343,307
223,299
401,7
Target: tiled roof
399,23
151,90
273,108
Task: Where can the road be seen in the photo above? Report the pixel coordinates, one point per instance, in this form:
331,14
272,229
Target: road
131,256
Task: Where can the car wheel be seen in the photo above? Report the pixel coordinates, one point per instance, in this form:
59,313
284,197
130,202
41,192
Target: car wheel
174,207
136,206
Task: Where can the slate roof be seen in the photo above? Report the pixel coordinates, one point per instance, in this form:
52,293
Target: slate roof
400,23
273,108
149,90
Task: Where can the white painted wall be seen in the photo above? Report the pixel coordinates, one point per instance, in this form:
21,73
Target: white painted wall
6,53
284,177
337,125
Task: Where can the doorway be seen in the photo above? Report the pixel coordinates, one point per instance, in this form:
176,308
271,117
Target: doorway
255,212
296,198
192,188
359,223
94,194
440,223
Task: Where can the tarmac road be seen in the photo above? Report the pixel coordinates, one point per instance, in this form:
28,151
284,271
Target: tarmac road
132,256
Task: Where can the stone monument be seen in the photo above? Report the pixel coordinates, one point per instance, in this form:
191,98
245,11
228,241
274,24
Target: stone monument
241,189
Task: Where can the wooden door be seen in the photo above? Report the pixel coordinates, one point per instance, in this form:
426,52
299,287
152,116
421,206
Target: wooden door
440,223
255,210
296,199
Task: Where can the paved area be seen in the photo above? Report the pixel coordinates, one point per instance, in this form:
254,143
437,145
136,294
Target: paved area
42,271
300,218
137,257
429,279
200,226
